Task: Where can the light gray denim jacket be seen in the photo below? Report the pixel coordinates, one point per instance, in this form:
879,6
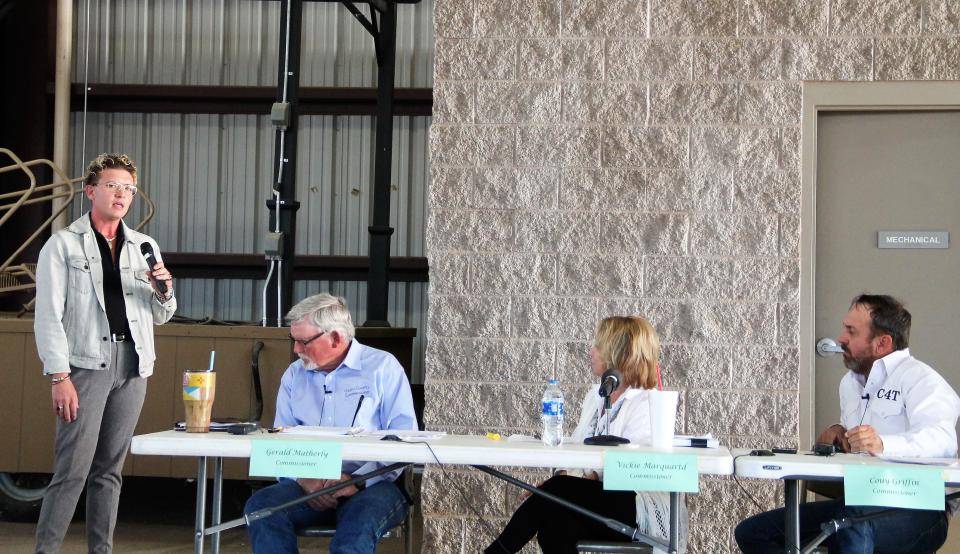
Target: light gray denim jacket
71,325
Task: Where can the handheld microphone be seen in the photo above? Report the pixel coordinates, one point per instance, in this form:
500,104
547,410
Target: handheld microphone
609,382
147,250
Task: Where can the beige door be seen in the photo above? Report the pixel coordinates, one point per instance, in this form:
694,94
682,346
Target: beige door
887,171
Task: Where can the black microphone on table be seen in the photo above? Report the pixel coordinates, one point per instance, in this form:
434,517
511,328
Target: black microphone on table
609,382
147,250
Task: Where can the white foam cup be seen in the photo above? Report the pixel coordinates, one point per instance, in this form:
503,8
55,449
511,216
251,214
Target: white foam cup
663,417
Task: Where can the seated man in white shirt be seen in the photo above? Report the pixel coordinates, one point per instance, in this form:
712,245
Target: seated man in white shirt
337,382
890,404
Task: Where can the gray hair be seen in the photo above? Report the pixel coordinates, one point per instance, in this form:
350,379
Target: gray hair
325,312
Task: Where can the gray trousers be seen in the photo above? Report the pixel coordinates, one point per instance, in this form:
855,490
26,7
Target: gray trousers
91,450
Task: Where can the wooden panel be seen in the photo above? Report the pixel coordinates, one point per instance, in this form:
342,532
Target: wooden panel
234,383
192,352
11,396
179,347
274,360
234,468
158,412
38,423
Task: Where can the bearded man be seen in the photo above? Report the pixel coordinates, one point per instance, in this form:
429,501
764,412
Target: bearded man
337,382
891,404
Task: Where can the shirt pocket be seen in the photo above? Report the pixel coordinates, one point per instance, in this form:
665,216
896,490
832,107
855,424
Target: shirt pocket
887,409
144,287
81,280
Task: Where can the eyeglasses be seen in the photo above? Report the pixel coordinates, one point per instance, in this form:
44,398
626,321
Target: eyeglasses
304,343
114,186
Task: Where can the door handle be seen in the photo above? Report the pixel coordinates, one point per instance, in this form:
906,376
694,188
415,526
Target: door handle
827,347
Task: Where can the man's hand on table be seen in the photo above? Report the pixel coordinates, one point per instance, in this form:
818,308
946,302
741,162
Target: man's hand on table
864,438
326,501
835,435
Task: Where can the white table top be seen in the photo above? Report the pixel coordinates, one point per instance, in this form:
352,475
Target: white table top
807,466
450,449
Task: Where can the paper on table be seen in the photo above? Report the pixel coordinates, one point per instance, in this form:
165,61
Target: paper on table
522,438
214,425
318,431
701,441
404,435
944,462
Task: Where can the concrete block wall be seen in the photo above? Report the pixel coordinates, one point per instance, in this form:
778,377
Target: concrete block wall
632,156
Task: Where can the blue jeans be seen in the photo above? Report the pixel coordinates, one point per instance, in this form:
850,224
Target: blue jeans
361,519
904,532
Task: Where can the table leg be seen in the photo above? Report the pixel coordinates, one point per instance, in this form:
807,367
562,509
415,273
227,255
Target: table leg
674,522
217,502
791,501
201,505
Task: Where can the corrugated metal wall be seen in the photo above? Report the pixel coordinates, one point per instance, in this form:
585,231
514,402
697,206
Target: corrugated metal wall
210,175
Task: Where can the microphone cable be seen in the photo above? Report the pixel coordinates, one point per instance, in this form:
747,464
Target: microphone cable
463,495
792,547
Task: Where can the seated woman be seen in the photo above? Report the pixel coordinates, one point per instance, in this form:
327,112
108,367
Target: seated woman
630,345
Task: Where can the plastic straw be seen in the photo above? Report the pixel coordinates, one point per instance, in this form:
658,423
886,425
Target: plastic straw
213,354
659,381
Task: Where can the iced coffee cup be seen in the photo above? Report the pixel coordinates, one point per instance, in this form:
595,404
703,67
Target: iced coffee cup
199,388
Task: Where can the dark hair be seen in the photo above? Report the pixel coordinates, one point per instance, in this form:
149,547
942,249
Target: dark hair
887,317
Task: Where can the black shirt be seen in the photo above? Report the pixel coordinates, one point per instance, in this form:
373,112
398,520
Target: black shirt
112,286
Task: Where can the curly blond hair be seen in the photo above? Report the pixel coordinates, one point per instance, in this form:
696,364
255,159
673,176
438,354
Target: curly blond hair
108,161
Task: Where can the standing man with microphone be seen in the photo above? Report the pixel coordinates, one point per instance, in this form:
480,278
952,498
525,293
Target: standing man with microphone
98,299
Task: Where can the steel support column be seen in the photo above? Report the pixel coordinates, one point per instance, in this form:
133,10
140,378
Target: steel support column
380,231
285,163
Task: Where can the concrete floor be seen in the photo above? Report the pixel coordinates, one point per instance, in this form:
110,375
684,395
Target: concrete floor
156,516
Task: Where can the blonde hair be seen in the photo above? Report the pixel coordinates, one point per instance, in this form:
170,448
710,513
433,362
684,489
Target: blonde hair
630,345
108,161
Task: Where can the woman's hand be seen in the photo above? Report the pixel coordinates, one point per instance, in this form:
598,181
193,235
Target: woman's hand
64,398
159,273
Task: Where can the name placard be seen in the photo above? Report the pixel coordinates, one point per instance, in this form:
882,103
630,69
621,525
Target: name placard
286,458
900,487
636,471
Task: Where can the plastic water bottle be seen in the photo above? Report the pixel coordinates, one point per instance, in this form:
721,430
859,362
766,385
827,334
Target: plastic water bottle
552,414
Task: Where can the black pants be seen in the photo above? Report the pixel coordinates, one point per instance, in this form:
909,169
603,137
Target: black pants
558,528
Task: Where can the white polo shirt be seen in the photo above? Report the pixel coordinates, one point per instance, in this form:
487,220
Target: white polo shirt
912,407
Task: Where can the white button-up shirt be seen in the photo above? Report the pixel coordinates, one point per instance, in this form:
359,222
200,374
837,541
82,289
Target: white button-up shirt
912,408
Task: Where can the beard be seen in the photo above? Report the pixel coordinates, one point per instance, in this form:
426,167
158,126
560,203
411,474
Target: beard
308,364
855,364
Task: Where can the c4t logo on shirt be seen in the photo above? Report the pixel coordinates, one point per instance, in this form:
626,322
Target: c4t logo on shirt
888,394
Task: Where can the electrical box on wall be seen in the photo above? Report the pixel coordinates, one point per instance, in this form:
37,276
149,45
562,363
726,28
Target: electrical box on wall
273,245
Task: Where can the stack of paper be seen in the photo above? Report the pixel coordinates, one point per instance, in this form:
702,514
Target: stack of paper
318,431
702,441
408,435
214,425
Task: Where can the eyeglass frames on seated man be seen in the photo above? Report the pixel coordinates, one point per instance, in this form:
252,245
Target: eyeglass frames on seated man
304,343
